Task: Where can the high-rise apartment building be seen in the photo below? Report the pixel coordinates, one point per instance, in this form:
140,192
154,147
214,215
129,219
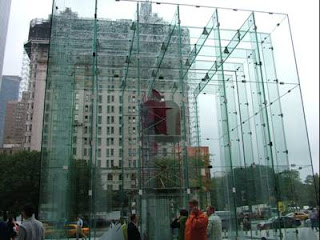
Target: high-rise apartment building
4,21
9,91
93,108
15,123
37,51
116,114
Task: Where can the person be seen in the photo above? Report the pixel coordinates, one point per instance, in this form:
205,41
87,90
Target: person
214,230
175,226
182,222
30,229
196,224
133,232
79,229
4,233
124,228
314,219
11,228
179,224
246,223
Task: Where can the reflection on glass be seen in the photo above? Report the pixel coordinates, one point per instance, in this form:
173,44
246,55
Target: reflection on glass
149,111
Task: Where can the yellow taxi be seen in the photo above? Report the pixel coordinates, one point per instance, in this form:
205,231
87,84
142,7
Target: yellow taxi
71,230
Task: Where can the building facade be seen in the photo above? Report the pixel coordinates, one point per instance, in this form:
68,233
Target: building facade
15,123
5,6
37,50
9,92
116,133
93,108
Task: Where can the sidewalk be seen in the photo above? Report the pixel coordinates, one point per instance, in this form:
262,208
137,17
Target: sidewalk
302,233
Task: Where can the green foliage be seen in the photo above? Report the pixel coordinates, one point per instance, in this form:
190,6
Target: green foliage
79,181
19,181
257,185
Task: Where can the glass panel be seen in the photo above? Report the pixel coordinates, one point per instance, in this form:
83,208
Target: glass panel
147,108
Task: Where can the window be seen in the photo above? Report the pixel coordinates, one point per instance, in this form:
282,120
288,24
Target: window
131,99
108,152
120,152
134,152
110,178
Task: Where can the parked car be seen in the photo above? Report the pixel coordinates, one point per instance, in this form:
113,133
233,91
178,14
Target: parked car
298,215
276,222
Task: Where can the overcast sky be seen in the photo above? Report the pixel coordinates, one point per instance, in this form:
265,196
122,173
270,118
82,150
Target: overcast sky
303,15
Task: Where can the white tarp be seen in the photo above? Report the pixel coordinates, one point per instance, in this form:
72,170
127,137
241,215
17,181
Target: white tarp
114,233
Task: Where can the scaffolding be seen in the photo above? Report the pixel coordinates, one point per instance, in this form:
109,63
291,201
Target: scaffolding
143,114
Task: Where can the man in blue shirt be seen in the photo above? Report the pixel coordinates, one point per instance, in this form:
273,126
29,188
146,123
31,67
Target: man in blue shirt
79,229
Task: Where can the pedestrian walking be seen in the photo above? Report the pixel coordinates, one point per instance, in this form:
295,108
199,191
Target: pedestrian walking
79,232
124,228
12,228
197,223
133,232
31,228
182,222
314,216
4,233
214,230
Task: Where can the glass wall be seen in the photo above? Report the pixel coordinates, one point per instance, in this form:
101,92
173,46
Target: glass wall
147,108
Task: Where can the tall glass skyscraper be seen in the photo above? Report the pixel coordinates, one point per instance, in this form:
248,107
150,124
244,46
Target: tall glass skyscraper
9,91
4,20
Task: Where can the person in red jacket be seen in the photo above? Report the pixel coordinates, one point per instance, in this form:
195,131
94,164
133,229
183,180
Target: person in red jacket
197,222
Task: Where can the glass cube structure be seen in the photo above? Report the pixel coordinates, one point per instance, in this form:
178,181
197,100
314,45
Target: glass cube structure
149,105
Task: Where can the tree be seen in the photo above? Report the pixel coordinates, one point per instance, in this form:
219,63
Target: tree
311,193
79,182
19,181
